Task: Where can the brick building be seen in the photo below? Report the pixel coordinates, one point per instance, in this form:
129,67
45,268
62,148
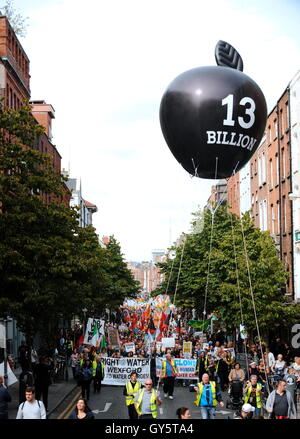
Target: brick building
268,180
14,67
147,273
218,193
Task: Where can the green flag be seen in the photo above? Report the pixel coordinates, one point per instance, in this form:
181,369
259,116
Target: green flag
199,324
102,343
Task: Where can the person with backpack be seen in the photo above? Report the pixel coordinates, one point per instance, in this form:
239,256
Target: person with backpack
31,408
24,356
42,380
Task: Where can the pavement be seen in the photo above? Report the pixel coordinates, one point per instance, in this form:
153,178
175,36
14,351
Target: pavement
57,393
109,404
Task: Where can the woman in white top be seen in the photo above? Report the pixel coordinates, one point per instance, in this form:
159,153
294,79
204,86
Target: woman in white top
269,358
279,367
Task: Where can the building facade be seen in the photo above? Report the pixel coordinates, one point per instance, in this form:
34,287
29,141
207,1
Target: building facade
14,67
147,273
295,172
264,185
86,208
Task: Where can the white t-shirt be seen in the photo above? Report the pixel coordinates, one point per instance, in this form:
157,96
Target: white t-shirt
271,359
296,366
31,410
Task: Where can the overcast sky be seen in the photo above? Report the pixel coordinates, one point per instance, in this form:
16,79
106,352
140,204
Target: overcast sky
104,66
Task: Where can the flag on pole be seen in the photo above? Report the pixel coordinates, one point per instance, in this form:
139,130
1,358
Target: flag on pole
199,324
94,331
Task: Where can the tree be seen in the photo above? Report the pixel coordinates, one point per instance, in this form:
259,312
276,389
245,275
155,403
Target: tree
121,282
17,21
50,268
220,287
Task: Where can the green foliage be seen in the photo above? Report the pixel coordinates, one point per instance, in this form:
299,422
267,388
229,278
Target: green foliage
50,268
121,282
16,20
228,263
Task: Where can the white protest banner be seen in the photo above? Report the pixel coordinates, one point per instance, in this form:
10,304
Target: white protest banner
117,370
11,377
113,338
129,347
186,368
205,346
187,349
158,346
168,342
94,330
2,336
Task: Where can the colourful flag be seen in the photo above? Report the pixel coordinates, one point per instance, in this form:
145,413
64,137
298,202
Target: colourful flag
199,324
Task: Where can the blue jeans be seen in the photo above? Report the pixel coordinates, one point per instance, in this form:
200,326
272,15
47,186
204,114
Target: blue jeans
208,412
257,412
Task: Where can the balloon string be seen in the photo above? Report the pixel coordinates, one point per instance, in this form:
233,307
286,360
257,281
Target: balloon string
216,168
213,211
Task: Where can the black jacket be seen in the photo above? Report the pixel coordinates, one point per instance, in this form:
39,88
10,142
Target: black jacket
4,399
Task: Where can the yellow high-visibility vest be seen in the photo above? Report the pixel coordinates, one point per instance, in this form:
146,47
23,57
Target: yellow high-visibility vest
132,389
258,395
164,367
153,407
213,390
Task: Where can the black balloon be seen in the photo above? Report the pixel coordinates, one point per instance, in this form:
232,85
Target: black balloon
213,119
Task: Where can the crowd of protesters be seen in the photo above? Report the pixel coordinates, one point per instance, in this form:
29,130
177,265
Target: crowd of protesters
265,367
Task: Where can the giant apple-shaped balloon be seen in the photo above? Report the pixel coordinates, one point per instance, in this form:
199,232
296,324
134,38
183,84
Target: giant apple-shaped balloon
213,118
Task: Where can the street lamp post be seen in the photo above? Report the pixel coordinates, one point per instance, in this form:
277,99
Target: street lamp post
5,351
84,310
5,376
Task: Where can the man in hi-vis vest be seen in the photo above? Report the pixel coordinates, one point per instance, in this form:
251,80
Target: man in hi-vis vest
146,401
168,375
131,389
208,397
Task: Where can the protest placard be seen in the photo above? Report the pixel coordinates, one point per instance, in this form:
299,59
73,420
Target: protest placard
186,368
94,331
113,338
187,349
11,377
168,342
129,347
117,370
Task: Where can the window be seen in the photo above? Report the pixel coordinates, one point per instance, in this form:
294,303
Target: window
283,175
259,171
273,219
287,115
276,128
271,173
263,167
282,122
277,169
278,218
263,217
269,137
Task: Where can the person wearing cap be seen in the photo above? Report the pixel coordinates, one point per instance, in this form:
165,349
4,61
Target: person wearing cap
246,412
253,370
253,393
208,397
280,403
